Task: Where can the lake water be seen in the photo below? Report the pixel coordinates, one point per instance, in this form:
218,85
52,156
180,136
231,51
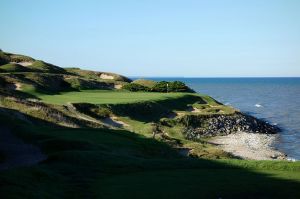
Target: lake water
276,100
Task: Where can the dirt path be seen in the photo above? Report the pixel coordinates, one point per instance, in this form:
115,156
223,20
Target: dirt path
16,152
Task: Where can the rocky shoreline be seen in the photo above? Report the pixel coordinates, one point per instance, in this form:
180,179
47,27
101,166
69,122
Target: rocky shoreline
215,125
242,135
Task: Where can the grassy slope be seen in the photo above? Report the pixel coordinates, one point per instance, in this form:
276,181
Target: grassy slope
102,163
88,163
94,163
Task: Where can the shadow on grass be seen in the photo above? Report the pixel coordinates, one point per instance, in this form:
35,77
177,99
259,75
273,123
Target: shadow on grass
103,163
152,111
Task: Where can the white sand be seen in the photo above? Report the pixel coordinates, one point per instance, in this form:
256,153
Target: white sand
115,122
24,63
106,76
118,86
252,146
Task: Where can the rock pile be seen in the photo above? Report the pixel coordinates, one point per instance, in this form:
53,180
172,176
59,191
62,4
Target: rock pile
212,125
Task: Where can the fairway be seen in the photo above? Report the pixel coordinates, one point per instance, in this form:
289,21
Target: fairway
105,97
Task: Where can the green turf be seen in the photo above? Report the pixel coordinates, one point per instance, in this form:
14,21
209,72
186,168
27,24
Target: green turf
106,97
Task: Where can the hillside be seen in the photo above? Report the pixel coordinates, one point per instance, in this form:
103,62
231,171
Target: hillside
24,72
96,139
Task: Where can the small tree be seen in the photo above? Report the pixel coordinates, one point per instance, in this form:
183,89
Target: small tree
160,87
135,87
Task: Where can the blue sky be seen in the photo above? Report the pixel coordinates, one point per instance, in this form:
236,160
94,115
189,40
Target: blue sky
212,38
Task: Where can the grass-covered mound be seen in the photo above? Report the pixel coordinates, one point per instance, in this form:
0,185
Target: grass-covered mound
93,75
13,68
40,66
11,63
39,76
145,82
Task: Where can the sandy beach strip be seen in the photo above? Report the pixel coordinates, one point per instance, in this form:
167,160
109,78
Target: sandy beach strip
252,146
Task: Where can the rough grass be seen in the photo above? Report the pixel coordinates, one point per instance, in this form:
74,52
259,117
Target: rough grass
93,75
37,65
13,68
102,163
4,59
145,82
41,66
19,58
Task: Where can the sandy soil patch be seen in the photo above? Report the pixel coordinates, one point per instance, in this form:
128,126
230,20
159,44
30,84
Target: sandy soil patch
24,63
113,121
18,86
106,76
118,86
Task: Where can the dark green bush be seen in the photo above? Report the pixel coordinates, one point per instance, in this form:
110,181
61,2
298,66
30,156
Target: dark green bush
135,87
97,111
176,86
161,87
101,112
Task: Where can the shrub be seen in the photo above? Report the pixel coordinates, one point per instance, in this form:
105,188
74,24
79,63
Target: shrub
101,112
161,87
176,86
97,111
135,87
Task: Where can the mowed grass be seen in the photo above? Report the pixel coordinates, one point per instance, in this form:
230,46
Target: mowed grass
105,97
